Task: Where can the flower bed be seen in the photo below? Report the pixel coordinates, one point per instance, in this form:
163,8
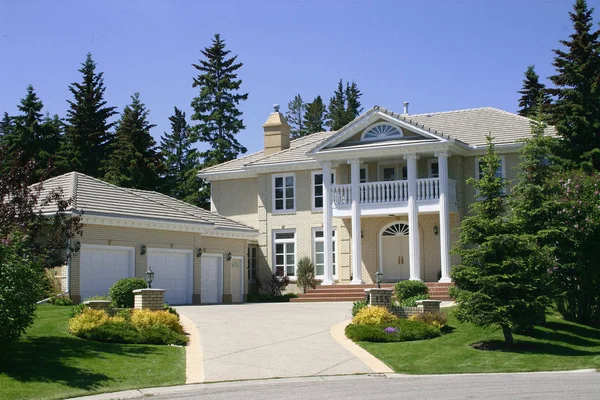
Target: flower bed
399,330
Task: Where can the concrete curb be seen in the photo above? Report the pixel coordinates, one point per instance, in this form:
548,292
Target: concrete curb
194,357
338,332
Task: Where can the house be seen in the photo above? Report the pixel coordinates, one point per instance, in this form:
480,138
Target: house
197,256
386,192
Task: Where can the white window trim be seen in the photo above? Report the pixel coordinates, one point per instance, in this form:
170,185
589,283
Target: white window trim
312,187
294,240
284,210
364,132
314,257
429,163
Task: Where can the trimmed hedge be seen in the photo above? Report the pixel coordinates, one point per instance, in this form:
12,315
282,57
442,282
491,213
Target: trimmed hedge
400,330
412,301
407,289
121,292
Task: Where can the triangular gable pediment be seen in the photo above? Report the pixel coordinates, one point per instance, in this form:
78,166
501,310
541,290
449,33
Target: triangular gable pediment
378,126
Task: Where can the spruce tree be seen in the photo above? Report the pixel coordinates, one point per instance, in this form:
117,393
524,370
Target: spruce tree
336,111
315,116
353,107
533,94
181,160
502,279
216,108
88,130
6,126
576,112
134,161
296,117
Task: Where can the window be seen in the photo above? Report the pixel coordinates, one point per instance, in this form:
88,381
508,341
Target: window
284,193
393,172
433,169
319,251
284,245
252,262
363,175
382,131
317,179
389,173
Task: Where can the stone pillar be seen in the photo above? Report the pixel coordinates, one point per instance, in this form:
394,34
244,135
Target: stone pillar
327,224
356,230
413,218
379,297
428,306
149,299
444,217
98,304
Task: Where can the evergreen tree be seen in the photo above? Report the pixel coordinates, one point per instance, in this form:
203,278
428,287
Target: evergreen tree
315,116
336,111
353,107
576,112
216,108
296,117
6,126
533,94
134,161
87,132
502,279
181,160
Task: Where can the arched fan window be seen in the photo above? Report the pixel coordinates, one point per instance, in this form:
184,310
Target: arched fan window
381,131
396,230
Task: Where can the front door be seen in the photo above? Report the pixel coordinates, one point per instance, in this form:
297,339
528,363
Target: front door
395,264
237,273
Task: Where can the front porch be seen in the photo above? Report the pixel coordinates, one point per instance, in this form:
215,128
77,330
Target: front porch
325,293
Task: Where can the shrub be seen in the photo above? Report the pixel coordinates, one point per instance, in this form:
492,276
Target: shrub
400,330
161,334
168,308
143,319
273,284
435,319
412,301
357,306
63,301
113,331
105,297
124,313
306,274
121,292
373,315
87,320
267,298
407,289
77,309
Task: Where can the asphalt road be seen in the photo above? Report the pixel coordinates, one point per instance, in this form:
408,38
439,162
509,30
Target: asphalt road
558,385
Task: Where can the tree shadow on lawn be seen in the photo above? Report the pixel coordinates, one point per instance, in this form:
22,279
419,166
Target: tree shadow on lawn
563,336
533,347
49,359
577,330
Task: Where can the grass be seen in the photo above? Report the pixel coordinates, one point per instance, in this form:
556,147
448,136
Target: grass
559,345
50,363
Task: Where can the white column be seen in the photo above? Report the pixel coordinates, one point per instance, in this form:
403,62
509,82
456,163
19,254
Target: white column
413,218
327,225
444,216
356,233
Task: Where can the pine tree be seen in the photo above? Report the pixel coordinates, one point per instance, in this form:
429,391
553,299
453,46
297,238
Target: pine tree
181,160
502,279
336,111
296,117
533,94
315,116
134,161
353,107
576,112
88,130
216,108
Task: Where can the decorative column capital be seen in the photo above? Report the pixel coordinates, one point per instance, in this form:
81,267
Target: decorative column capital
326,163
411,157
440,154
354,161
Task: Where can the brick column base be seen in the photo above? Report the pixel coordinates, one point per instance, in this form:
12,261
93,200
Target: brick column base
149,299
379,297
98,304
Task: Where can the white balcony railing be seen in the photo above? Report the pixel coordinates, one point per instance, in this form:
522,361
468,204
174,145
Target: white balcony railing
389,191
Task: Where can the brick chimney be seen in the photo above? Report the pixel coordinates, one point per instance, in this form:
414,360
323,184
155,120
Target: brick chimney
277,132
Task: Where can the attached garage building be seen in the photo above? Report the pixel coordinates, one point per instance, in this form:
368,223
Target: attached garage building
191,251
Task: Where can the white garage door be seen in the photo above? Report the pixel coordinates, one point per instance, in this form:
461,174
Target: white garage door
212,266
101,266
172,272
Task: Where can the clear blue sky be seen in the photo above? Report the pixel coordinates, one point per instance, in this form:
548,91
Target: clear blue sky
438,55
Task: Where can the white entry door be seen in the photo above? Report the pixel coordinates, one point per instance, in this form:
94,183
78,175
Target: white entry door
395,258
101,266
172,272
237,280
211,278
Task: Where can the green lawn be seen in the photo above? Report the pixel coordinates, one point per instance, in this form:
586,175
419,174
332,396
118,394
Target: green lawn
49,363
559,345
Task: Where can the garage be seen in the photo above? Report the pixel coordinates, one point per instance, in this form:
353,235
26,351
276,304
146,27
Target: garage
102,266
211,278
172,272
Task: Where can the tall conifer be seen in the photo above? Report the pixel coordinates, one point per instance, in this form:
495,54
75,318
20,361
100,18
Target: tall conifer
315,116
533,94
336,111
296,117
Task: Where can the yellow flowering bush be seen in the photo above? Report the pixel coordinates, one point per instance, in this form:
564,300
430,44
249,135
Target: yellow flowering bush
142,319
88,320
373,315
435,319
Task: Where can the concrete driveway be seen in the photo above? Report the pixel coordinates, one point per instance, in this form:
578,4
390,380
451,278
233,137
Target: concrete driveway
257,341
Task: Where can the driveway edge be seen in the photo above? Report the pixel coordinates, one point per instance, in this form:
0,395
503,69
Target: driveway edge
338,332
194,357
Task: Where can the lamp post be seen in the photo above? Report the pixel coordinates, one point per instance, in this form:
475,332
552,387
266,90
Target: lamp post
378,276
149,276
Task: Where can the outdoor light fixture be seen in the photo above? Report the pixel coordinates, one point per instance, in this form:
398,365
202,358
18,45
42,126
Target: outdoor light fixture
378,276
199,252
143,250
436,230
149,276
229,256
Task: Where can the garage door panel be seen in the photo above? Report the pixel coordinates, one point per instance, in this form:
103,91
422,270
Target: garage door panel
172,272
210,279
100,268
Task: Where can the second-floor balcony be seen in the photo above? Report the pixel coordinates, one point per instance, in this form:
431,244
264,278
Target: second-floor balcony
386,197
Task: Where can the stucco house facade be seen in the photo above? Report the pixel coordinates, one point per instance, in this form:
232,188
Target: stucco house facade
393,203
197,256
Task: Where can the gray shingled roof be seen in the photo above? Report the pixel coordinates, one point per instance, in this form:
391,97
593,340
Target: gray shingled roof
93,196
